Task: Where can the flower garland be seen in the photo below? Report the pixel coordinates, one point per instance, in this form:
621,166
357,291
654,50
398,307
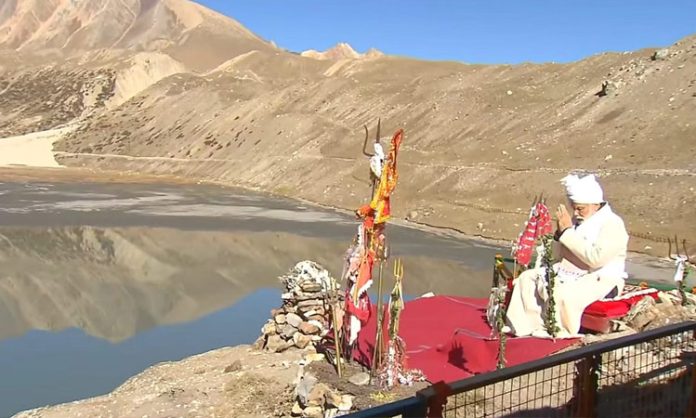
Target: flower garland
547,262
499,324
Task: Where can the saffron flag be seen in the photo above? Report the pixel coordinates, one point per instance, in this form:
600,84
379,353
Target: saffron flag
380,204
362,255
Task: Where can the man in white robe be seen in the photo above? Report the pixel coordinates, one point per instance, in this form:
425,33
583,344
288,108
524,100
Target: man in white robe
593,245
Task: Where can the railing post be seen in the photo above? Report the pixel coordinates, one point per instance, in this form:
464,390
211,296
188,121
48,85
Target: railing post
434,400
419,411
586,386
691,411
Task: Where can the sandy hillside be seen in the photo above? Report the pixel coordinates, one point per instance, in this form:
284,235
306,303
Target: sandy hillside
31,150
481,141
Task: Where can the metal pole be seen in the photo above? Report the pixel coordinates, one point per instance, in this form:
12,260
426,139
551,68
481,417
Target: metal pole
691,411
377,351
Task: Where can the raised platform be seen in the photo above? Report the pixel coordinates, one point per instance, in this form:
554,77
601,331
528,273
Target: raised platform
448,337
598,316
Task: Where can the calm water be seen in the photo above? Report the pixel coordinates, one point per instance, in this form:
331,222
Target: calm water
100,281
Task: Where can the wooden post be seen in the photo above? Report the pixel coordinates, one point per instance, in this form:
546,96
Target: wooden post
691,409
337,334
496,270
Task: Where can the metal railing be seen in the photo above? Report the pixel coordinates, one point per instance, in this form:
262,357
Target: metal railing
646,374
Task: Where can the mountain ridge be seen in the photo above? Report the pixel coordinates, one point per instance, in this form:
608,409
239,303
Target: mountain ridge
187,31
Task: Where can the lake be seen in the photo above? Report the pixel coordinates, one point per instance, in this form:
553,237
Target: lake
100,281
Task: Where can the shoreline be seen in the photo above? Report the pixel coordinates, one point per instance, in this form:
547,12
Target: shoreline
71,174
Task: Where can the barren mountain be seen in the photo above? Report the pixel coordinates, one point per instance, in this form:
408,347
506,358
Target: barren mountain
481,140
190,33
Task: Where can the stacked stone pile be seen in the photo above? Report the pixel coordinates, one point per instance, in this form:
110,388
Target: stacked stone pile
303,319
668,309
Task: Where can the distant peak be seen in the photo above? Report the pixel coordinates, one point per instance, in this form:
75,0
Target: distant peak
340,51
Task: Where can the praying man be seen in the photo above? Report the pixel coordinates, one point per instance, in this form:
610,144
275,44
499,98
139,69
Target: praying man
593,245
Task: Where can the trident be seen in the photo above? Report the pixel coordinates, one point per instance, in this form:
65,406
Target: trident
377,351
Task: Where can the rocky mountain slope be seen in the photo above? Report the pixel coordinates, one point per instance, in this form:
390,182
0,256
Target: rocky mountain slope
182,29
481,140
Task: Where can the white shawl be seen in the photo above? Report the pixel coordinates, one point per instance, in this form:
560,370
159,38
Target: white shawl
600,243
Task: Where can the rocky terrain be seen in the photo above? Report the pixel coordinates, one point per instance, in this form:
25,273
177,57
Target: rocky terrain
233,381
481,140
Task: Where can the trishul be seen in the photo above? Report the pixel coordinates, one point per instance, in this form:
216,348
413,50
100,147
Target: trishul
376,158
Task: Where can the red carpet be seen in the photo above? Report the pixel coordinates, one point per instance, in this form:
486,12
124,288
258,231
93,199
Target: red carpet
448,338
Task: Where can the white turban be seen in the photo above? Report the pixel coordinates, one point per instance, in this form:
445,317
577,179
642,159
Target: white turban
583,190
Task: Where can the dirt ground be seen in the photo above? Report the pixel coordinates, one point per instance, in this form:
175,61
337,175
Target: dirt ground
234,381
366,396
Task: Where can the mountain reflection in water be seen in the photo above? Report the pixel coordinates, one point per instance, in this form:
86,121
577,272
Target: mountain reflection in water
83,308
116,282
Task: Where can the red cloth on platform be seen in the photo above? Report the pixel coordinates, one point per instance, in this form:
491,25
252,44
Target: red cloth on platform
619,306
449,339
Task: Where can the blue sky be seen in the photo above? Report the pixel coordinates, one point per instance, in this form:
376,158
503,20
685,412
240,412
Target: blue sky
476,31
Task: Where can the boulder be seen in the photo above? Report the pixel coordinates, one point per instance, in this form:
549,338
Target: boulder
304,388
287,331
301,340
269,329
360,379
277,344
317,396
660,54
293,319
313,412
308,328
